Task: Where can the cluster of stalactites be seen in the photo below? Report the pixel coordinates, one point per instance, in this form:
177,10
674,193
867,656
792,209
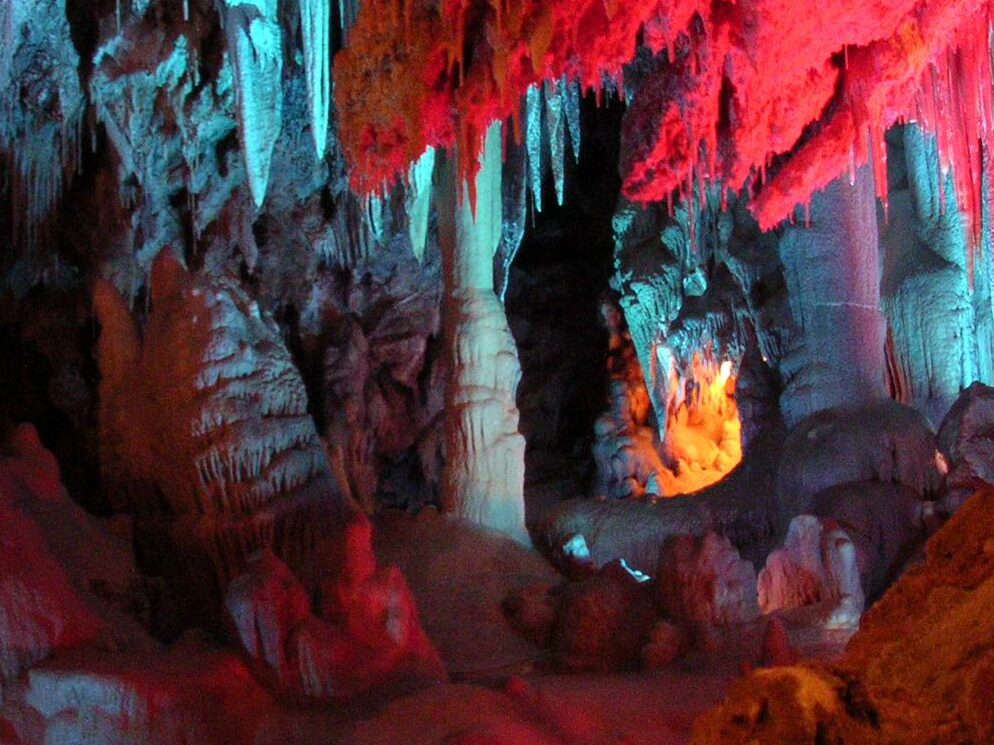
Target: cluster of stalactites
728,101
551,119
41,114
550,110
255,43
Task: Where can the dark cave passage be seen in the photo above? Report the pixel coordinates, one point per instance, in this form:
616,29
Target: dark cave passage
558,280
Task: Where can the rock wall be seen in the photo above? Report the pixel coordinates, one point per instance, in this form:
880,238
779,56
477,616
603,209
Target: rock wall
206,438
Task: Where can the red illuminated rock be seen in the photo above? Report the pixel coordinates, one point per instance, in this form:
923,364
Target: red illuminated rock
732,99
605,622
65,580
816,566
703,582
666,643
367,635
966,442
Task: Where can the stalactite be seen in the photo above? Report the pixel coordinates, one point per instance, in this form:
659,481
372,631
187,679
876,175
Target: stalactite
315,27
556,133
728,102
515,188
533,143
570,94
255,46
417,200
41,115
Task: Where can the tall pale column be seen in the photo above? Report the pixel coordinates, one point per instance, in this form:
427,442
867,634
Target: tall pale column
835,349
483,478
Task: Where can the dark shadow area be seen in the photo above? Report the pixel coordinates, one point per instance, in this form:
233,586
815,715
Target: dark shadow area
557,282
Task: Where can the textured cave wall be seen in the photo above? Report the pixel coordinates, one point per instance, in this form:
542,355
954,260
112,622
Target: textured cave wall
704,282
931,356
42,107
163,166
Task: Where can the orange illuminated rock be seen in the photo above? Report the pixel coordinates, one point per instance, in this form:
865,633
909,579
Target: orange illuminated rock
703,431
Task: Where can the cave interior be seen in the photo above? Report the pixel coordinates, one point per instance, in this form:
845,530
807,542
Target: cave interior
496,372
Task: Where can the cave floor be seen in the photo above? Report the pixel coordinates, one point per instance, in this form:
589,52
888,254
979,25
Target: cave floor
500,691
459,575
657,709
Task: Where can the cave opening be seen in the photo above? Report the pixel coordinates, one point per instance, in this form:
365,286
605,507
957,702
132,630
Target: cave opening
703,440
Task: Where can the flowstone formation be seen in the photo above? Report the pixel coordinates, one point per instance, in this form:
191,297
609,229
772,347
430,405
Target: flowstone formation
235,463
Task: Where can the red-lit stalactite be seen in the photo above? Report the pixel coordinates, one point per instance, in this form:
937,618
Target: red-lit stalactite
779,94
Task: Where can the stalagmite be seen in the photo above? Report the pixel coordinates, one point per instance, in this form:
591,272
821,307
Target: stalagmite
483,480
315,27
255,46
835,351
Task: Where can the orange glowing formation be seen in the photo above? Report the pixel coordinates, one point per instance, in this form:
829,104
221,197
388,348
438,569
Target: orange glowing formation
703,433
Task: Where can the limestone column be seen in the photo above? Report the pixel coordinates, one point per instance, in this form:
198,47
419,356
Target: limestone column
835,347
483,477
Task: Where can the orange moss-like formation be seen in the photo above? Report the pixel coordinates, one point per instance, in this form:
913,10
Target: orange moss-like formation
920,670
746,83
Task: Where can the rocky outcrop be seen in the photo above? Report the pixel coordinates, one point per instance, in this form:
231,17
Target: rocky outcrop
704,583
366,634
207,439
817,566
66,581
884,442
966,439
604,621
886,522
918,670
